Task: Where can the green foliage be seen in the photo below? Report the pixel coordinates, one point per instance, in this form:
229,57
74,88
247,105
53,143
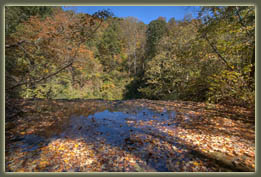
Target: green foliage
14,15
211,58
185,61
109,46
231,31
229,87
159,77
156,30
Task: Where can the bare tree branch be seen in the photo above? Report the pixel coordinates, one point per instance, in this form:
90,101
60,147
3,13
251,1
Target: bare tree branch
15,45
241,21
59,70
219,55
43,78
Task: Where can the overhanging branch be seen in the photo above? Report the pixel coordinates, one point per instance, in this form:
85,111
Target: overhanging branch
14,45
43,78
219,55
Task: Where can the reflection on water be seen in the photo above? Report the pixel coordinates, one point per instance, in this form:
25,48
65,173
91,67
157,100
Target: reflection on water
122,128
31,142
115,127
111,124
142,114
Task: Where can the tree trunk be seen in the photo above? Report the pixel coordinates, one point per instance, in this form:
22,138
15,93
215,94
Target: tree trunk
252,73
251,83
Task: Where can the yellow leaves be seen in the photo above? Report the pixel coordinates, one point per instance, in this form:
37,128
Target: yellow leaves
229,153
108,86
253,165
20,170
132,160
89,161
61,148
204,150
43,164
174,148
170,132
195,163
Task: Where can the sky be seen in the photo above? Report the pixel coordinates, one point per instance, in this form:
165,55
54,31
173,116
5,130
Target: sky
144,13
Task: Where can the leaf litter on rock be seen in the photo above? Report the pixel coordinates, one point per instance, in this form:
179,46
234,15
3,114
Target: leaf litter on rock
156,140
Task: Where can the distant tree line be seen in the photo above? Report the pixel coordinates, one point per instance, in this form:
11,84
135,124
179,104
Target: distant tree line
52,53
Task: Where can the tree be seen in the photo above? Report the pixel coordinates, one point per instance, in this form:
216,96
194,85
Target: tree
14,15
50,47
175,70
133,33
229,31
155,31
110,46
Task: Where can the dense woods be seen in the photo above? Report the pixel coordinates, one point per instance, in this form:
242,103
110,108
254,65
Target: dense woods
57,54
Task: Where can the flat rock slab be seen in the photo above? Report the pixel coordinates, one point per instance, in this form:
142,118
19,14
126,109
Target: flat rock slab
128,136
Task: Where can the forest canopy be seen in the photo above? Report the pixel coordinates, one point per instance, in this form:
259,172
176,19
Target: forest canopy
56,54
